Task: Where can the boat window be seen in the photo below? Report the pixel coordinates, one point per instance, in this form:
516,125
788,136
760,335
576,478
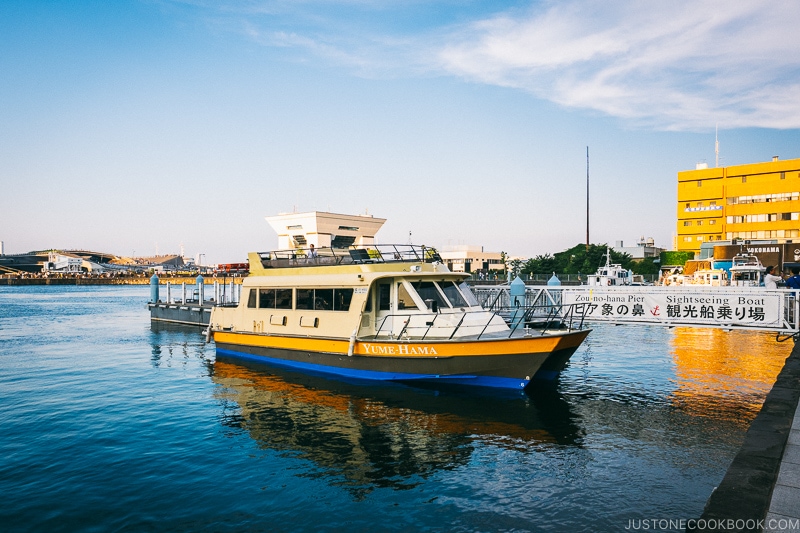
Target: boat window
404,299
368,306
341,299
427,291
384,297
266,298
283,298
251,300
453,294
324,299
304,299
271,298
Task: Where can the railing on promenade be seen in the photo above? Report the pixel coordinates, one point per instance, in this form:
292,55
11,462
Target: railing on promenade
542,279
756,308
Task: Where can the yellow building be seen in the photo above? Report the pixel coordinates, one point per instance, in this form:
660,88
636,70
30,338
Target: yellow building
756,201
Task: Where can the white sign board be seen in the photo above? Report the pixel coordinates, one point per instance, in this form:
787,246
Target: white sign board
722,306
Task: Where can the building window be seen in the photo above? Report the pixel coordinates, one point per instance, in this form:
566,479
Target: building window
699,183
699,222
687,222
699,238
710,222
744,179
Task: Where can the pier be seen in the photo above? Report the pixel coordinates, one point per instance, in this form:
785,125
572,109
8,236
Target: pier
754,308
188,304
761,489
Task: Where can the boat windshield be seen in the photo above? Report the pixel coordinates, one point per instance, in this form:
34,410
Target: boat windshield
453,294
428,292
445,293
468,296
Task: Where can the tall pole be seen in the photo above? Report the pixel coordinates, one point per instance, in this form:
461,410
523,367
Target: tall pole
587,199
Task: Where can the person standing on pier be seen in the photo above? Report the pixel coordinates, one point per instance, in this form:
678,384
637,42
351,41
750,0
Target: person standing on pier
793,282
771,279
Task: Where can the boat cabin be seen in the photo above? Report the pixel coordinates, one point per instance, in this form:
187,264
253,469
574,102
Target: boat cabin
392,291
747,271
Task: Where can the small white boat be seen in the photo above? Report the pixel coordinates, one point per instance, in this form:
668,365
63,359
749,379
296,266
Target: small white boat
747,271
610,274
696,272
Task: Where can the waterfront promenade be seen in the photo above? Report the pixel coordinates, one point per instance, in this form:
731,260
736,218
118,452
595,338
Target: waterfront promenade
761,489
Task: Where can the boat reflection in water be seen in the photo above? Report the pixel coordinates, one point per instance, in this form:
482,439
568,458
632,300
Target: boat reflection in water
174,344
725,375
382,435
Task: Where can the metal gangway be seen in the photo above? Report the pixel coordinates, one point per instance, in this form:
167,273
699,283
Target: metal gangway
751,308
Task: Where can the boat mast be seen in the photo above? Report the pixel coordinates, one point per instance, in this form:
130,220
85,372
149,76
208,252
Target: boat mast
587,199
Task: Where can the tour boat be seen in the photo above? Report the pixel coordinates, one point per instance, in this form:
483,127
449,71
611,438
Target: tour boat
747,271
384,312
701,272
610,274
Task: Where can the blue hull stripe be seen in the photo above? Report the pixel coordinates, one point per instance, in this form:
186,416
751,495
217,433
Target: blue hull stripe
464,379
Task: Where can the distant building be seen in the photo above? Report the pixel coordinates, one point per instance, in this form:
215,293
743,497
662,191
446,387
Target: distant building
471,259
739,203
167,262
66,262
324,230
63,262
642,250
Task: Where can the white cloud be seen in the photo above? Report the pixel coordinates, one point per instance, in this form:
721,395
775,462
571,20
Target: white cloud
678,65
671,65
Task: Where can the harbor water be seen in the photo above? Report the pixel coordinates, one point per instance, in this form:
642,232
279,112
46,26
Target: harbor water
109,424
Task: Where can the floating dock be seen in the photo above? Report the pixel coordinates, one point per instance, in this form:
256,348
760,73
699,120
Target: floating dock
188,305
188,313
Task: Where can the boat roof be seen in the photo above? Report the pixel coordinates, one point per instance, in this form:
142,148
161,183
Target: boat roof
746,262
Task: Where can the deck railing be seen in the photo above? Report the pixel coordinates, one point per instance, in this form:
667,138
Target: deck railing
538,318
361,254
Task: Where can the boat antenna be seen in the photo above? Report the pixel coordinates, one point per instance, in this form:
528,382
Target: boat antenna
587,199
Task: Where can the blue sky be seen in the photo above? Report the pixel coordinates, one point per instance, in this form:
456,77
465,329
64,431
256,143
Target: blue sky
140,126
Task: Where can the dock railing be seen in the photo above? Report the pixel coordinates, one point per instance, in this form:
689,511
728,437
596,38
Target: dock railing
224,294
754,308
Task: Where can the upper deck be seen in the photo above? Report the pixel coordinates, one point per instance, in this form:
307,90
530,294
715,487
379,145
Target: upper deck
393,256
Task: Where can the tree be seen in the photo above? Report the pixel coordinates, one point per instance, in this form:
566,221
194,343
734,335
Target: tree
576,260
